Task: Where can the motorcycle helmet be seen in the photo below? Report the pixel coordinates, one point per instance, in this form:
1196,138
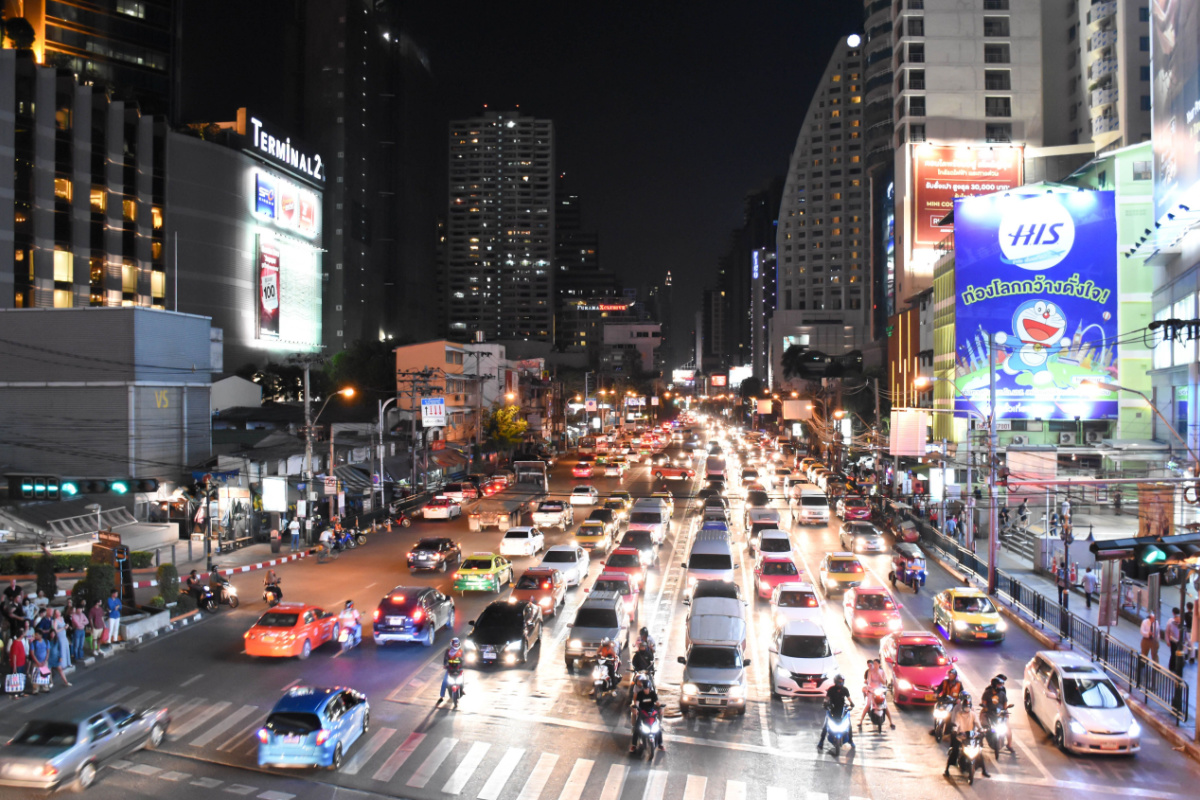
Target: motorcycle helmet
644,633
952,674
643,681
999,680
838,680
454,643
605,641
965,698
349,604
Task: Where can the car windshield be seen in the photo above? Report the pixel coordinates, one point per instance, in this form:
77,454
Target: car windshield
805,647
974,605
778,568
921,655
1091,693
477,563
774,544
620,587
439,503
797,600
278,619
813,500
534,582
624,560
293,723
872,602
710,561
715,589
714,658
614,505
844,565
645,517
517,535
637,539
41,733
500,615
749,473
757,498
591,529
560,557
596,618
581,490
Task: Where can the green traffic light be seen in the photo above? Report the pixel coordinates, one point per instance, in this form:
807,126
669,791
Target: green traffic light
119,487
69,489
1153,555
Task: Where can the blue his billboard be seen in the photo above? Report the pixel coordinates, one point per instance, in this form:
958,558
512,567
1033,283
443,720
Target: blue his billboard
1038,275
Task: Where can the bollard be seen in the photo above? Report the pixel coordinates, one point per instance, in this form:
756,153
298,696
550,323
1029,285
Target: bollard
157,557
189,550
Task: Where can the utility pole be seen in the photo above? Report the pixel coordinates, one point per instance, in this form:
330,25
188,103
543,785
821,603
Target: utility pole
969,533
307,360
993,490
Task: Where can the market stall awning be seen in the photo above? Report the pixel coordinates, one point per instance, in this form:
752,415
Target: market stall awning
355,479
450,461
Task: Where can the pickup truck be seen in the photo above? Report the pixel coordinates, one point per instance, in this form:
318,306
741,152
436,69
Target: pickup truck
554,514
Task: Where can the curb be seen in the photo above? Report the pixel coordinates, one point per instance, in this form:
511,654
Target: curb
233,570
1172,734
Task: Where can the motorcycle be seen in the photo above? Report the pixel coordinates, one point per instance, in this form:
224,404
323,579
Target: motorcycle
995,726
272,595
649,728
604,678
344,540
454,683
225,592
350,636
941,714
970,755
403,520
207,600
877,711
837,727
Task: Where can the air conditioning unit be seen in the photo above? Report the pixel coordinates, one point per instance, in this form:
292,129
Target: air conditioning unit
1019,440
1066,438
1093,437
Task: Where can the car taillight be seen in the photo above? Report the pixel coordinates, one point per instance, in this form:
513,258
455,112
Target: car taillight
322,736
264,735
49,771
418,615
376,613
545,584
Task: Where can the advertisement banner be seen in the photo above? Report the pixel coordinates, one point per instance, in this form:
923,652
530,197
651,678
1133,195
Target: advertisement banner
264,195
433,412
908,432
274,494
268,288
1175,61
763,406
1156,509
718,381
1038,275
942,173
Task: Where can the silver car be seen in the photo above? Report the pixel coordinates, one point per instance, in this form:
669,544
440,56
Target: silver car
70,743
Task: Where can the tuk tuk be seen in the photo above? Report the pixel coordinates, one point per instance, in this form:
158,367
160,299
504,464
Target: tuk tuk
905,530
908,566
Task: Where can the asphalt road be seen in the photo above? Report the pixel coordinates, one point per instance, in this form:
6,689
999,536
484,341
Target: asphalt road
531,732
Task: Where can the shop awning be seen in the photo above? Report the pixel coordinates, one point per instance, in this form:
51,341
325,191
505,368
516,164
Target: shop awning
397,468
356,480
449,460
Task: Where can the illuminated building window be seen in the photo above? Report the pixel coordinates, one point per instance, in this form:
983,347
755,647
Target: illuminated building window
62,188
156,218
63,298
99,200
129,210
62,119
158,284
156,249
129,278
64,262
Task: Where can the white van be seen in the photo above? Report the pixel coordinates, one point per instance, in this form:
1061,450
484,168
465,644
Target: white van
649,514
710,559
810,506
757,520
717,621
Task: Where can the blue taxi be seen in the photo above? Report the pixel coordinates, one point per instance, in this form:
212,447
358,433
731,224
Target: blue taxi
313,727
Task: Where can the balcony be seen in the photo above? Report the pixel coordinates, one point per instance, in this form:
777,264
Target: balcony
1107,123
1101,39
1104,66
1104,97
1102,12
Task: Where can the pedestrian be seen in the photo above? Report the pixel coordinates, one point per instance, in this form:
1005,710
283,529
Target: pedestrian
1063,582
79,626
39,666
1189,620
43,624
951,523
1150,637
114,616
12,591
1117,501
1089,585
1066,508
64,647
95,617
18,657
1175,652
294,530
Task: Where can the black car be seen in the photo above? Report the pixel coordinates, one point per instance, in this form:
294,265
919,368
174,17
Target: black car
412,614
755,498
434,554
604,515
643,542
504,633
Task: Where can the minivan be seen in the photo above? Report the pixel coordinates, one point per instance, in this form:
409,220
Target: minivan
810,506
714,468
760,519
710,559
646,517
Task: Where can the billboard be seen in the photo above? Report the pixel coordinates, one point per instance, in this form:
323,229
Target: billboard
1039,272
285,204
268,289
943,172
1175,92
718,381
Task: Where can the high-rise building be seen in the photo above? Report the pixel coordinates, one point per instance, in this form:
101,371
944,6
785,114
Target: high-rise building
661,309
500,232
578,277
878,133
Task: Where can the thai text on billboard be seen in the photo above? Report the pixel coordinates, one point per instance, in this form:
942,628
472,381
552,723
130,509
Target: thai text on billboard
1036,275
268,289
942,173
1175,107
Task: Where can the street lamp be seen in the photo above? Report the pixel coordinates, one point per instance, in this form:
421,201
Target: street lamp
1114,387
308,441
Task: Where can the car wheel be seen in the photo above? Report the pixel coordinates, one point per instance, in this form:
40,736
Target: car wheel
429,634
366,720
336,763
1060,737
442,567
86,776
305,649
450,620
157,734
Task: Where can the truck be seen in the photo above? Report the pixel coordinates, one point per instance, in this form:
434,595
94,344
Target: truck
507,508
554,514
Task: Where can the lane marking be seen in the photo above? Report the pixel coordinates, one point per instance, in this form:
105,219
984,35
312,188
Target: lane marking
532,790
735,790
696,784
500,775
201,718
191,680
614,782
776,793
396,760
119,693
377,740
222,726
430,765
290,685
656,785
573,789
466,768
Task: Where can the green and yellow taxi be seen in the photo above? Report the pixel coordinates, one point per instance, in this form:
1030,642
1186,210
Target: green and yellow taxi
841,571
623,495
966,614
593,535
483,572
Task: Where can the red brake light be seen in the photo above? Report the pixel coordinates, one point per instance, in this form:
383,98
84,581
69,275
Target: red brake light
263,735
418,615
322,736
376,614
545,584
812,602
397,598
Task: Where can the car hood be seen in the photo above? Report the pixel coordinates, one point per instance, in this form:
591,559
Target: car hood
495,635
923,676
711,675
876,616
809,666
594,634
1108,720
791,613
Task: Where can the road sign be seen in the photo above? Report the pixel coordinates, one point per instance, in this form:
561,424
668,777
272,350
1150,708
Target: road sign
590,404
331,486
433,412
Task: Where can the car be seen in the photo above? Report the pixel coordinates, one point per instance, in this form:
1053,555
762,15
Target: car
802,661
544,587
584,469
622,495
313,727
290,629
667,499
903,531
442,508
618,506
602,615
505,632
434,553
794,600
870,611
608,518
703,589
69,742
967,614
914,663
774,543
672,472
862,537
770,571
629,561
571,559
841,571
757,498
460,492
412,614
584,496
749,476
522,541
615,469
593,534
643,541
622,584
650,516
850,507
1074,700
714,677
554,514
483,572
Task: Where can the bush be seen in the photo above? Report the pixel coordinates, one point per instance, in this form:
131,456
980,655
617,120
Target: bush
79,593
100,580
158,602
168,582
27,563
47,581
185,604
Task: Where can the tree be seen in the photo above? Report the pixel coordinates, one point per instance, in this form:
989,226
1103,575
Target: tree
505,429
366,365
751,388
284,382
18,31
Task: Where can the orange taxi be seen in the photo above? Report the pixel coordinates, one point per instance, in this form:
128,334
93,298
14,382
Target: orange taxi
543,587
291,629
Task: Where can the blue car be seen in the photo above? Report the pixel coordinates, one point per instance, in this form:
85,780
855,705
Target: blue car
313,727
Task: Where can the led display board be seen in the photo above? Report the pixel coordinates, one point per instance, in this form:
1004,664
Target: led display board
941,173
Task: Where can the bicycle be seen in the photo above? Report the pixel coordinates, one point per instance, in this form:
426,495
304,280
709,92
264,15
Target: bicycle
325,553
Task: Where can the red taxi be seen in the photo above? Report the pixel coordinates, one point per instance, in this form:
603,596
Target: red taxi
870,611
914,663
853,508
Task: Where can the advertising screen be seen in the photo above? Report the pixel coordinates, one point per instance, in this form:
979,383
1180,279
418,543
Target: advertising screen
718,381
285,204
268,289
264,195
1175,108
942,173
1040,273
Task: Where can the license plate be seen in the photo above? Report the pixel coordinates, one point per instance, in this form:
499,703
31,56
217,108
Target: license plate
704,701
395,620
293,739
810,684
1110,747
268,637
980,635
489,651
930,696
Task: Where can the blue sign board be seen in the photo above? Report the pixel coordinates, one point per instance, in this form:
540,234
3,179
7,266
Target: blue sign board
1036,274
264,195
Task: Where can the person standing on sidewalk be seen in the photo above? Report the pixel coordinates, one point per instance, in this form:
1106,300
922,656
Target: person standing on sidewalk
1175,652
79,624
1150,637
1189,638
64,647
39,652
1063,582
18,657
1066,508
1089,585
294,530
95,617
114,616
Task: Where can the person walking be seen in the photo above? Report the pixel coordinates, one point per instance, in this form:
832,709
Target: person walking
294,530
39,667
114,616
1090,584
1175,652
64,647
1189,620
1150,637
18,658
1063,582
79,626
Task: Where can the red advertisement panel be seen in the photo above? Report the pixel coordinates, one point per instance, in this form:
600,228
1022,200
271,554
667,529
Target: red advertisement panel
943,172
268,289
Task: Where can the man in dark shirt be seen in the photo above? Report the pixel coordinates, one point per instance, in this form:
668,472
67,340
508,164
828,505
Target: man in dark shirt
837,701
646,699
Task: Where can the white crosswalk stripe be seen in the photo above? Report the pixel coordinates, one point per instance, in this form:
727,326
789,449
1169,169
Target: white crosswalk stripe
500,775
396,760
573,789
466,768
377,740
735,790
200,718
225,724
431,763
696,784
776,793
656,785
537,780
817,796
614,782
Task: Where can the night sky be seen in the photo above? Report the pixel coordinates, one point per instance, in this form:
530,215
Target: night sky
666,113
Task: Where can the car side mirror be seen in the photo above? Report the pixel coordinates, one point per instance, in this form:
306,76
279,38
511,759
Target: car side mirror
471,622
773,649
745,662
890,661
1052,694
681,660
837,652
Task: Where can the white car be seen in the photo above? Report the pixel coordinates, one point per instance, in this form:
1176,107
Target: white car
522,541
442,508
796,600
1078,705
860,536
569,559
774,543
584,496
803,662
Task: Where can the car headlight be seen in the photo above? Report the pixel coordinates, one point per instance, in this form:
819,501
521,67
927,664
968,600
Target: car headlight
738,691
780,672
545,601
859,622
903,684
513,646
960,625
691,582
1076,728
471,658
1001,625
575,644
690,689
894,624
1134,728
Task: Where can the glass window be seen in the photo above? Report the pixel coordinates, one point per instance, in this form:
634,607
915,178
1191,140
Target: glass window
158,284
98,728
129,278
62,188
63,298
64,261
129,209
99,200
1185,351
156,217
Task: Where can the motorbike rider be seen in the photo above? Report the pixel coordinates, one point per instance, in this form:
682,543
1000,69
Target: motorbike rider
273,582
646,700
195,585
950,687
995,700
351,620
962,722
452,661
608,650
326,539
837,699
643,655
872,680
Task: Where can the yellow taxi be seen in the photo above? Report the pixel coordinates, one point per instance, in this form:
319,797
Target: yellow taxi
481,572
618,505
967,614
667,498
593,535
841,571
623,495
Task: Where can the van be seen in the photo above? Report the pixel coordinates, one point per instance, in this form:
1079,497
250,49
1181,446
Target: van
759,520
650,517
714,468
717,621
710,559
810,506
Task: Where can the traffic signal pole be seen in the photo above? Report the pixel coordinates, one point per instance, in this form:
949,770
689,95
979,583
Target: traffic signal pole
993,499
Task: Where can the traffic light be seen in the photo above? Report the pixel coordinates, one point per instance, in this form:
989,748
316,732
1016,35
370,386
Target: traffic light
119,487
1149,555
33,487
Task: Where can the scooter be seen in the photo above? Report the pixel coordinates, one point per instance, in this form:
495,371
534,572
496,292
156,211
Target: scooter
272,594
941,714
995,726
649,728
224,591
604,678
403,520
877,711
207,600
350,636
837,727
344,540
454,683
970,755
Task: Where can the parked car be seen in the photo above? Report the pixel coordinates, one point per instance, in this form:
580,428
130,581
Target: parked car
522,541
313,727
1074,700
412,614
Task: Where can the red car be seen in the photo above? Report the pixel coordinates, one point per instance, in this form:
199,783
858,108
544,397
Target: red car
870,611
667,472
629,561
494,486
853,508
914,663
770,572
623,584
582,470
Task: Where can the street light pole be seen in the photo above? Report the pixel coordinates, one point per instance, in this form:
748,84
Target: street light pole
993,489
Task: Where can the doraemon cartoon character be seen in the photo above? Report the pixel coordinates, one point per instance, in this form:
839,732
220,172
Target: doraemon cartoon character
1039,328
